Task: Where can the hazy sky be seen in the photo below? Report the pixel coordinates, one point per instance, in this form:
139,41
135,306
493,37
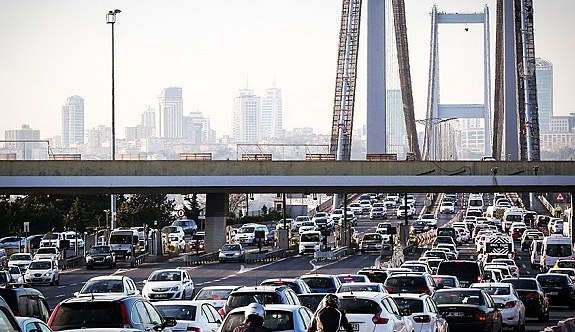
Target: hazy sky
51,50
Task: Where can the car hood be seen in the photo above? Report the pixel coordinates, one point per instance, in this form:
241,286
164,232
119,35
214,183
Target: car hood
37,256
100,254
229,252
19,262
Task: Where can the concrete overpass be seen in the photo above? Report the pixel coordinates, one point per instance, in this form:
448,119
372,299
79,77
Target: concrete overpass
98,177
219,178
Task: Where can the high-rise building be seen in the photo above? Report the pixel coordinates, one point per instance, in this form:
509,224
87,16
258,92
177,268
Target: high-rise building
24,134
98,136
171,113
149,118
544,77
271,116
246,118
197,127
395,124
73,122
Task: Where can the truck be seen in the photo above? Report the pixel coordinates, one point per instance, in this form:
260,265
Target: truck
124,242
500,244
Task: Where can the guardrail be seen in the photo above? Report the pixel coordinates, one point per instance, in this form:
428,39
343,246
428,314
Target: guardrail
397,258
546,204
138,260
265,256
565,325
331,254
196,259
68,263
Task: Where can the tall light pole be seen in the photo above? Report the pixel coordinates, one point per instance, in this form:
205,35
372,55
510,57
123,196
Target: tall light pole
111,19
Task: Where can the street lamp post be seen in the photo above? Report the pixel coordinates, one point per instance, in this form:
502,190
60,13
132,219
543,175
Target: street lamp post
111,19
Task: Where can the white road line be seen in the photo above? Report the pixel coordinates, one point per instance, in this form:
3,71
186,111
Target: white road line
61,295
60,287
73,284
123,271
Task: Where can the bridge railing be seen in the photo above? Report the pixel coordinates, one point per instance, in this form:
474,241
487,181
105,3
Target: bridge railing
69,263
200,259
265,256
331,254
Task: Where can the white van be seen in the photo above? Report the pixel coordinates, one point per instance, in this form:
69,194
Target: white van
555,247
309,241
124,242
475,201
536,247
510,216
246,235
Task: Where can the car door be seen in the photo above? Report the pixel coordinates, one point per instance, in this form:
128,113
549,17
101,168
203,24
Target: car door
441,323
391,307
211,318
188,284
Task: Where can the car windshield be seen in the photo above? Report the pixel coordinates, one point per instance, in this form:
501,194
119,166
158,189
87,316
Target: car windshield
231,247
51,251
88,314
446,281
120,239
404,281
100,250
213,294
165,276
40,265
184,223
20,257
351,287
48,236
103,286
246,230
178,311
559,250
521,283
310,238
459,297
415,305
243,299
372,237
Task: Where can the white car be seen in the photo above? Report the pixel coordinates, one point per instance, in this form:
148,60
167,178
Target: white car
507,300
463,234
400,212
365,206
74,238
430,219
21,260
511,263
191,315
425,316
168,284
385,229
361,317
47,253
279,317
42,271
216,295
116,285
355,208
390,201
336,215
15,274
378,212
306,226
447,207
174,235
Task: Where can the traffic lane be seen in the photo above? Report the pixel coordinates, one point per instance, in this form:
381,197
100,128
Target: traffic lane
556,313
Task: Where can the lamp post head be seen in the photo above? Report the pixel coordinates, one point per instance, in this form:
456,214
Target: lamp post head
111,16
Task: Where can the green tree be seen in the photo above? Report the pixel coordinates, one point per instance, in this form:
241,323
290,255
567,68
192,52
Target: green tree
138,209
192,208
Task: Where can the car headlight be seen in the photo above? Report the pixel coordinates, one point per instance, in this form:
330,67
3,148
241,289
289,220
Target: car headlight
175,288
108,257
236,253
47,274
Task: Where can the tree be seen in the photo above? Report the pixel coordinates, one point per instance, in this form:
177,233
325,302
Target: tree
138,209
264,210
192,208
236,201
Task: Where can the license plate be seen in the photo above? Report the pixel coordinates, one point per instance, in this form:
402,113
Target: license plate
161,296
454,314
354,326
552,293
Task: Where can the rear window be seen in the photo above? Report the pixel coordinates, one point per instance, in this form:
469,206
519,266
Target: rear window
351,278
213,294
552,280
372,237
446,232
183,312
459,297
374,276
559,250
521,283
241,300
87,315
405,281
491,290
311,301
319,282
567,264
447,282
275,321
358,306
415,305
467,271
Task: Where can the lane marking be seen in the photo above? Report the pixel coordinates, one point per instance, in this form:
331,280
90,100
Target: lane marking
60,287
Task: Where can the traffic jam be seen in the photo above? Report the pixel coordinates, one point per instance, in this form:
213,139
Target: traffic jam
471,262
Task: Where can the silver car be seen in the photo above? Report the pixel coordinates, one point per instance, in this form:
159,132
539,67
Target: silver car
232,252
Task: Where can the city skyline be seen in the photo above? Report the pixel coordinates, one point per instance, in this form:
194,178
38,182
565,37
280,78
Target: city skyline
53,51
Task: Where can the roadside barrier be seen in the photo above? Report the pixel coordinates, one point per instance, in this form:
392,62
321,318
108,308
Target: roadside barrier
68,263
196,259
138,260
331,254
395,261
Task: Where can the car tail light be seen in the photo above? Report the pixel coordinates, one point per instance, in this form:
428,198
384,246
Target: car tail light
54,313
423,289
377,319
422,319
480,316
479,278
125,315
533,296
193,329
389,289
510,304
222,312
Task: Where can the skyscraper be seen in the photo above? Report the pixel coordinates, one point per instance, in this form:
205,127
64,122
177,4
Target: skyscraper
171,113
246,118
197,127
271,116
73,122
544,77
149,118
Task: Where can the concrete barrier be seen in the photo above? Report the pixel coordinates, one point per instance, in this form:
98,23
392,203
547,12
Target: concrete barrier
68,263
331,254
266,256
200,259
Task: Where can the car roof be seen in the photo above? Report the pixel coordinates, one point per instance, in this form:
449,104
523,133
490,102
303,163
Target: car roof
109,277
266,288
409,296
101,298
490,284
365,295
271,307
182,302
221,287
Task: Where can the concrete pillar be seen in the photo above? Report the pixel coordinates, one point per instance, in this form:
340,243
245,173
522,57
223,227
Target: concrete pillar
511,122
376,89
216,208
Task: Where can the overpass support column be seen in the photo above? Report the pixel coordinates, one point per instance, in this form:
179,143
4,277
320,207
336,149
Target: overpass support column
216,208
